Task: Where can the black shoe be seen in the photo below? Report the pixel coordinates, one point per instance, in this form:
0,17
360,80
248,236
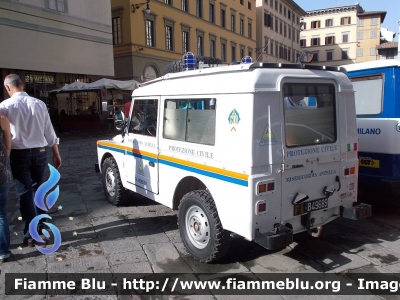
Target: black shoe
29,242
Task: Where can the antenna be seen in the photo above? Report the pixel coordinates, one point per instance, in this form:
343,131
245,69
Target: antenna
267,46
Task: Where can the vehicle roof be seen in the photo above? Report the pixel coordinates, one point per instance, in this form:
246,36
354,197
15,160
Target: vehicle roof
372,64
243,78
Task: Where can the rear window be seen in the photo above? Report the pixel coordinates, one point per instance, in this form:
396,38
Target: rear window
310,115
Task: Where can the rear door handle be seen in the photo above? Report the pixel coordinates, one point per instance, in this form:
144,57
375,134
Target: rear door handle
151,164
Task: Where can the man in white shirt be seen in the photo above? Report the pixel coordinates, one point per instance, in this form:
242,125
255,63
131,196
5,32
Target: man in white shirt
31,131
294,101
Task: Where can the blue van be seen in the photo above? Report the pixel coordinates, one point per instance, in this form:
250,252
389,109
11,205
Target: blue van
377,95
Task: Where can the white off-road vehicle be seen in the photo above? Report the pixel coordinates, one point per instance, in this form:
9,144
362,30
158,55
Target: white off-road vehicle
262,150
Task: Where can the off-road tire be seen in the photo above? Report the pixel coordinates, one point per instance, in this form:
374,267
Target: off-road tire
120,195
218,242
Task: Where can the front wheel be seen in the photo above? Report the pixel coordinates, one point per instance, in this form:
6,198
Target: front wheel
200,227
116,194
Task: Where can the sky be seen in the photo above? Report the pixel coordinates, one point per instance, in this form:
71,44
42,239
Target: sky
390,6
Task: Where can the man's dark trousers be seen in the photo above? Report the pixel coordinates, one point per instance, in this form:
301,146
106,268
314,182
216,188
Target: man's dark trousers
28,166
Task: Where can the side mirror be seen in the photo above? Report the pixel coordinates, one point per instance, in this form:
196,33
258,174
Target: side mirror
119,121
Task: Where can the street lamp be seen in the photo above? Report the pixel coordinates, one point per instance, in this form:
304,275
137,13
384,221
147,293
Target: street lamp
138,5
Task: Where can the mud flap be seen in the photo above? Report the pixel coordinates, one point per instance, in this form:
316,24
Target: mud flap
279,238
357,212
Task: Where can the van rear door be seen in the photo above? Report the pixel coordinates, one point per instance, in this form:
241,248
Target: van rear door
310,146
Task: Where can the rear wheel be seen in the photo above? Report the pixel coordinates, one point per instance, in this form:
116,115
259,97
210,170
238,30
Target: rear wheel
200,227
116,194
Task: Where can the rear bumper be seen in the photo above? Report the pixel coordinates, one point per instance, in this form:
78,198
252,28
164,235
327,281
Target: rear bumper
96,167
275,239
357,212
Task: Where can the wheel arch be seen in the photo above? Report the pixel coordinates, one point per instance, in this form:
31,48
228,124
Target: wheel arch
185,186
104,157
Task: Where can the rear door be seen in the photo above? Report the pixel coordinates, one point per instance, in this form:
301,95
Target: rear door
310,146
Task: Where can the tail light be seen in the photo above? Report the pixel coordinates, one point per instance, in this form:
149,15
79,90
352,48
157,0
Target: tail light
349,171
265,187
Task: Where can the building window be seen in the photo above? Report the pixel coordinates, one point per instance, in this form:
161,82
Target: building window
359,52
303,43
272,48
315,24
360,22
329,40
169,2
233,53
212,48
315,57
150,33
242,2
315,42
328,22
345,21
374,21
185,41
199,45
345,38
290,32
249,5
280,27
223,21
276,5
58,5
372,51
304,25
284,30
284,11
288,13
116,30
280,8
276,24
223,52
241,27
212,11
168,38
373,34
250,53
185,5
360,35
271,3
199,8
241,53
250,31
268,20
233,21
345,54
329,55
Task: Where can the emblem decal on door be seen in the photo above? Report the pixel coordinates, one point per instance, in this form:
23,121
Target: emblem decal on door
268,137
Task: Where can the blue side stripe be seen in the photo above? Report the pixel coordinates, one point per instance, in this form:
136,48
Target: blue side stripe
112,149
137,155
206,173
179,166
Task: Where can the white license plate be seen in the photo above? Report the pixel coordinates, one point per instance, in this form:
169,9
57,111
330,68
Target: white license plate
305,207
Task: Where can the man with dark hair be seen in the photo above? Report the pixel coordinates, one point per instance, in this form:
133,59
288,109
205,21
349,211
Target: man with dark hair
31,131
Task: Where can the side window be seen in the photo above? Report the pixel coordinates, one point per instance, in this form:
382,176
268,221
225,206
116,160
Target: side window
368,94
190,120
144,117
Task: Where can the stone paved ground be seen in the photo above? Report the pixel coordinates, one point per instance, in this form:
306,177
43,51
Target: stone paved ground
143,237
